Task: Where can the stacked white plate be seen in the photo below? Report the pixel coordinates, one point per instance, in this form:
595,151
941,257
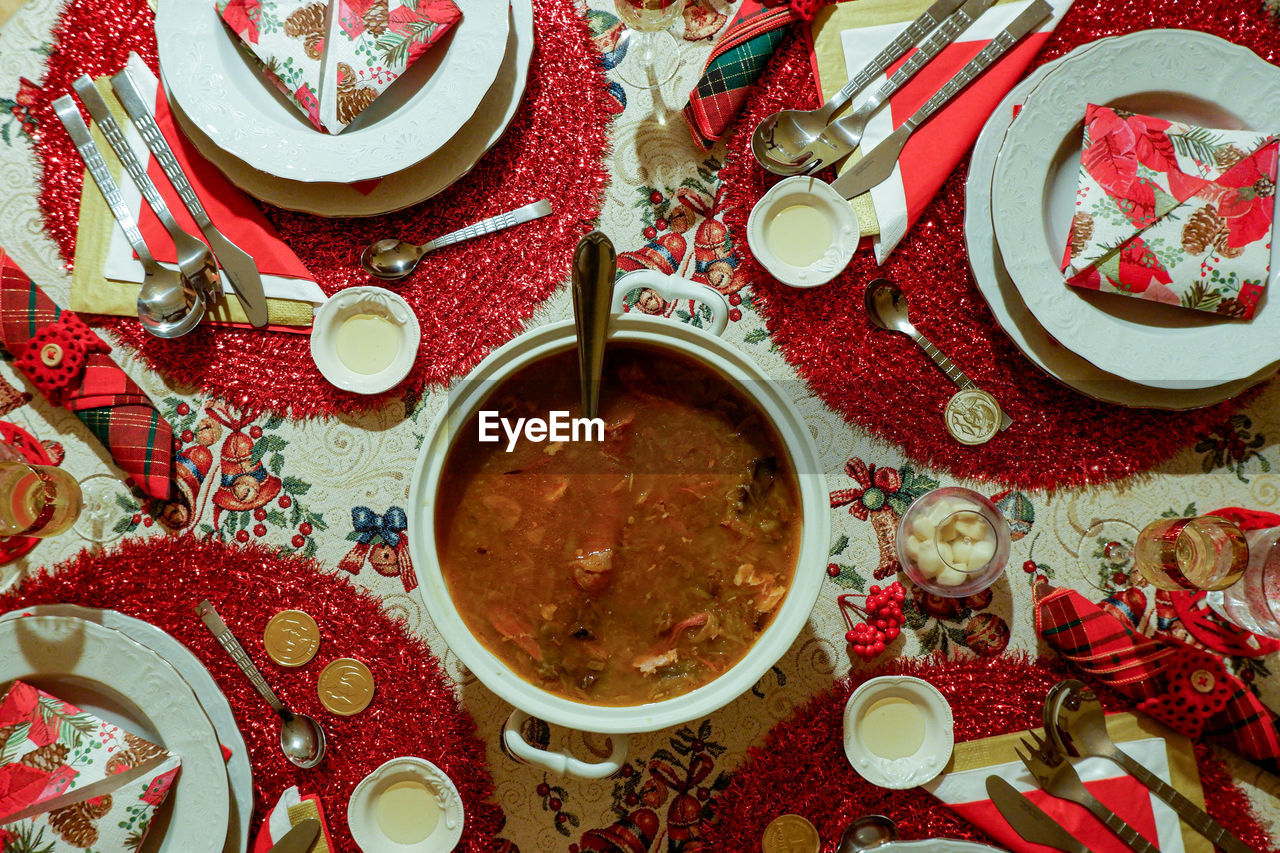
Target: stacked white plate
136,676
1020,198
423,134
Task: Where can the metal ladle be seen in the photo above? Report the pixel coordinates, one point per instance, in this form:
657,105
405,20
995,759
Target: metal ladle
301,738
594,265
1075,721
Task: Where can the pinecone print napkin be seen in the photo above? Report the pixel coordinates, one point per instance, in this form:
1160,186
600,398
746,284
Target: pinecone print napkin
1173,212
334,61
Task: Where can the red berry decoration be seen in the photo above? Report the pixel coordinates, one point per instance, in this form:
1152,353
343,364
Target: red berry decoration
660,224
187,435
882,619
297,540
259,514
184,409
735,315
650,233
285,501
833,569
148,521
1029,567
735,299
543,789
655,197
304,528
255,431
242,536
259,530
137,518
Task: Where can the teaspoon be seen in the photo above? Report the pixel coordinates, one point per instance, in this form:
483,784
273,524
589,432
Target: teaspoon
887,307
301,738
1074,718
393,259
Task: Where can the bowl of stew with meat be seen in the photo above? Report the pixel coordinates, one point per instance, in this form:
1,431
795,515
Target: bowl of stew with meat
631,573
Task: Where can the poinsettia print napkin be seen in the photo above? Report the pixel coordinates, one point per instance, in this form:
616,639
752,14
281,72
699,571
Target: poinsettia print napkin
333,58
1173,212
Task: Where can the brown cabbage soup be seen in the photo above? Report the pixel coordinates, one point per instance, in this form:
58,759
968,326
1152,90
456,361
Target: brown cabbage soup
628,570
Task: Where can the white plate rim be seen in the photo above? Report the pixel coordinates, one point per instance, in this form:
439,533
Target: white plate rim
985,263
200,798
1197,356
195,674
269,135
419,182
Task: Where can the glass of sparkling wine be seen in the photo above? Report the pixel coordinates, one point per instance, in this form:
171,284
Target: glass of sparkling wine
36,500
652,51
1254,603
1201,553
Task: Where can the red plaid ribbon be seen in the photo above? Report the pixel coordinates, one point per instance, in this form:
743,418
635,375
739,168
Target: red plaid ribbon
1106,648
108,402
735,64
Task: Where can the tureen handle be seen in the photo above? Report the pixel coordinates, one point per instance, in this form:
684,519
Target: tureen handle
559,762
671,288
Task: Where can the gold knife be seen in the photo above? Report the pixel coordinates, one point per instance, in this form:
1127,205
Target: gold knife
1029,820
299,839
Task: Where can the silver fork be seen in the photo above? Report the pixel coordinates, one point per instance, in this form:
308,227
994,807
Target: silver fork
1054,773
195,261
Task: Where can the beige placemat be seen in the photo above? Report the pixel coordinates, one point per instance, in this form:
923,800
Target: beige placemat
1123,727
92,293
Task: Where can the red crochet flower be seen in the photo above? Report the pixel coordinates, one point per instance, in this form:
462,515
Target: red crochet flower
1197,687
56,355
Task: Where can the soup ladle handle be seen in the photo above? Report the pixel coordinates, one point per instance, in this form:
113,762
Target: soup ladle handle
560,763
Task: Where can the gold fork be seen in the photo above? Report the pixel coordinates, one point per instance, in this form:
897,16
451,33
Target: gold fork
1055,774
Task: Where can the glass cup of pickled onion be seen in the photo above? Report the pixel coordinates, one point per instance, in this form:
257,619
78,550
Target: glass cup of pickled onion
953,542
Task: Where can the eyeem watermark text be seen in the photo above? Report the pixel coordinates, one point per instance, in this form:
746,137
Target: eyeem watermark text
558,426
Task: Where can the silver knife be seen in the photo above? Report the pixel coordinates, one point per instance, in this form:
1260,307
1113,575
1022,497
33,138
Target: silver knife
1029,820
878,165
235,262
299,839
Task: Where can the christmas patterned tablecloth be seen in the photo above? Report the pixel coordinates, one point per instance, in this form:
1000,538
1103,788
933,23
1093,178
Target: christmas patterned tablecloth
336,489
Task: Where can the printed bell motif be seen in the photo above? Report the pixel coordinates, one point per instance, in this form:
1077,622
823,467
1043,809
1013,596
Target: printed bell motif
246,484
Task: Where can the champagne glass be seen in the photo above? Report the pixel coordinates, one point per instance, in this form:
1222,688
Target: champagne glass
36,500
1202,553
653,54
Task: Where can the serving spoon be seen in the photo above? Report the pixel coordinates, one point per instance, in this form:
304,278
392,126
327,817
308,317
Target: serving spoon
594,265
392,259
301,738
1074,719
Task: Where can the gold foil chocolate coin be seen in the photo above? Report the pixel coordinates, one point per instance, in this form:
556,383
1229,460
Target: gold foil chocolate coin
972,416
291,638
790,833
345,686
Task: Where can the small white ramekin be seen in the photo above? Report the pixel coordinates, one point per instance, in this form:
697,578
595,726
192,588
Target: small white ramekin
845,231
364,300
939,734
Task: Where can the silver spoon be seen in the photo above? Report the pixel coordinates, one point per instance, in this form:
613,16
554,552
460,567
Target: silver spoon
301,738
169,304
594,265
868,833
791,131
1080,725
392,259
887,308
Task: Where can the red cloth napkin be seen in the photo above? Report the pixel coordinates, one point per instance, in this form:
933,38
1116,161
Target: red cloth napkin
278,822
100,394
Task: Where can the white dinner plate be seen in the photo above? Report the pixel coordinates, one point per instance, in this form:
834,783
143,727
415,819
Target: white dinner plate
1174,74
417,183
223,91
1012,313
206,690
109,675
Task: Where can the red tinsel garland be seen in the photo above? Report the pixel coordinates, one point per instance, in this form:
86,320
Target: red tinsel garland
801,767
468,298
882,383
414,711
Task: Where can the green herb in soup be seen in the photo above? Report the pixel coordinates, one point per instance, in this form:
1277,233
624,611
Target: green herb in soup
632,569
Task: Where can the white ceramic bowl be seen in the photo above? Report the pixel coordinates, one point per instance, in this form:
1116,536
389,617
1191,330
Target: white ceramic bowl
977,579
818,194
466,398
362,817
935,750
358,300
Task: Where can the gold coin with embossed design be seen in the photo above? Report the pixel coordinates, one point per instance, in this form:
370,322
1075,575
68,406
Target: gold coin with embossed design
345,686
291,638
790,833
972,416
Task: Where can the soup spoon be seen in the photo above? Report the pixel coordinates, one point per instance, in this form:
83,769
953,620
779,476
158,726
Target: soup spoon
1074,718
594,265
301,738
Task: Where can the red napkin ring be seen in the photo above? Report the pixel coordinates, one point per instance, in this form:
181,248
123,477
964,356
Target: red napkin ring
56,355
1196,688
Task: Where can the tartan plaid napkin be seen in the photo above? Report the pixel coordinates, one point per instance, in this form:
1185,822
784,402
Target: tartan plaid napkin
109,403
734,65
1139,667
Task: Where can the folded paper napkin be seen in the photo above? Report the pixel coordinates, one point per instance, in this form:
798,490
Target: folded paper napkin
333,69
1181,686
107,274
291,810
70,365
70,781
1173,212
962,786
846,35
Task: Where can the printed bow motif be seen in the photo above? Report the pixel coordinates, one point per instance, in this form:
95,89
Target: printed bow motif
389,555
390,527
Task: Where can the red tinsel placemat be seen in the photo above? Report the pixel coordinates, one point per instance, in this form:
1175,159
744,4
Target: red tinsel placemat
468,298
882,382
414,711
801,767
